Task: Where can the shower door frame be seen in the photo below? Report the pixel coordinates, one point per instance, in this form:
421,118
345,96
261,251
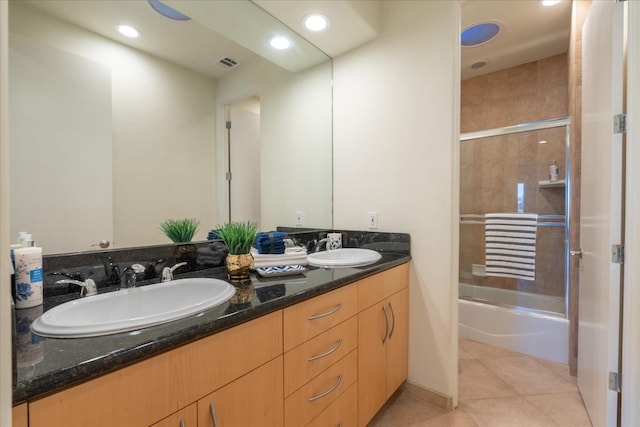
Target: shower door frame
530,127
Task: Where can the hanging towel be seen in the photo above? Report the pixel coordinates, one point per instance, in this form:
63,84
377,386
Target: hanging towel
510,243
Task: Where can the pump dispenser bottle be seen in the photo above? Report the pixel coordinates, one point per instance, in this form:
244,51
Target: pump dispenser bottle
28,274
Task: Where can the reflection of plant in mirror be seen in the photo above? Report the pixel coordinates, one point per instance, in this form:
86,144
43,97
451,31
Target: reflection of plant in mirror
180,230
238,236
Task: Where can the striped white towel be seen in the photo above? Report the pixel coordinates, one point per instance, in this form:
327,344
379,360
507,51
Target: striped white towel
510,243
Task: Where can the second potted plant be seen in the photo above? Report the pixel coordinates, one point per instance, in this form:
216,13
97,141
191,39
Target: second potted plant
239,237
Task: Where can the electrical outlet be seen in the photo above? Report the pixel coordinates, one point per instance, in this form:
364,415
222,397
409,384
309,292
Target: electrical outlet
298,218
373,220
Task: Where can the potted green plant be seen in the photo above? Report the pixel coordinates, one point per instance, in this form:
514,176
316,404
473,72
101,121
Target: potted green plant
238,236
180,230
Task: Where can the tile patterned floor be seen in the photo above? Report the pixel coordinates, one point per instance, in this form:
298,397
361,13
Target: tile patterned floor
497,388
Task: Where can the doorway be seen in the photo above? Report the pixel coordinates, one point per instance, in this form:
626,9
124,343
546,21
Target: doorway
243,161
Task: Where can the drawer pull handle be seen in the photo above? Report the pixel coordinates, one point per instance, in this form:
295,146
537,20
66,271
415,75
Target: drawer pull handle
182,423
386,325
320,356
328,392
212,409
393,318
328,313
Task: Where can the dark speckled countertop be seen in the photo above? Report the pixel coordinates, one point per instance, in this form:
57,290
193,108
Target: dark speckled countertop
45,365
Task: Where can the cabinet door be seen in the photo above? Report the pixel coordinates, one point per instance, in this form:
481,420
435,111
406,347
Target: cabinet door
255,399
187,417
373,325
19,415
398,341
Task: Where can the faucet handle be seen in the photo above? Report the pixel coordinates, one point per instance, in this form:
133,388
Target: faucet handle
167,272
87,288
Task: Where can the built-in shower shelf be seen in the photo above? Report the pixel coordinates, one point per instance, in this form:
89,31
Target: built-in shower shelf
551,184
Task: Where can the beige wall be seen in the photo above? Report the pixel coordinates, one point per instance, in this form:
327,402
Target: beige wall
295,140
491,168
395,152
158,109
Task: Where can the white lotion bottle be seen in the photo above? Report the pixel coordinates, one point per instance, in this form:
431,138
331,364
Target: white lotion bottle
553,172
28,275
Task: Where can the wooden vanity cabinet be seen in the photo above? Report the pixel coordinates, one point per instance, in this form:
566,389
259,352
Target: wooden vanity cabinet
187,417
331,360
383,335
148,391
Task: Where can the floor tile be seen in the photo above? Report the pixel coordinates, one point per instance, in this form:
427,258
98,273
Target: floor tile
564,409
527,376
497,388
483,351
506,412
464,354
475,381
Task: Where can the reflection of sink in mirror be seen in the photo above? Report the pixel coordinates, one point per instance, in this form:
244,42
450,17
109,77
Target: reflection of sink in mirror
132,309
345,257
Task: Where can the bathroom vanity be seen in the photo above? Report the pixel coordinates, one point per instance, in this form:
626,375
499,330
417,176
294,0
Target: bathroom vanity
327,348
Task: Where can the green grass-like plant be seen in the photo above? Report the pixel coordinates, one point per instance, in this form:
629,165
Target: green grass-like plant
238,236
180,230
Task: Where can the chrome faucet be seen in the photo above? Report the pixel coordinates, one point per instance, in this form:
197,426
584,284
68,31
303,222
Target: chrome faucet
87,288
167,272
128,278
319,244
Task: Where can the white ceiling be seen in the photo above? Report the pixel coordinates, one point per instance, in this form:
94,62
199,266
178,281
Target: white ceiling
530,31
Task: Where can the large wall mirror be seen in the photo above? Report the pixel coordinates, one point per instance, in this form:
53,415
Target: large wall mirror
110,136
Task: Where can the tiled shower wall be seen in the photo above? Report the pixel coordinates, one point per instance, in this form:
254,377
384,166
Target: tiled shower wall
492,168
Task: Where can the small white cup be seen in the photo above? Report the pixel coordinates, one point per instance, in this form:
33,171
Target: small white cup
335,241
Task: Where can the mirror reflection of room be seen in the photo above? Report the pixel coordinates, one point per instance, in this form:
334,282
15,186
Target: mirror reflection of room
119,135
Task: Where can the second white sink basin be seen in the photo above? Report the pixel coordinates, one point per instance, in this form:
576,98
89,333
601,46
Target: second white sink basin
132,309
344,257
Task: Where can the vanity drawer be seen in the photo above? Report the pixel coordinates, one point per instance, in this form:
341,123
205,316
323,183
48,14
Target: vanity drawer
310,400
310,318
342,412
314,356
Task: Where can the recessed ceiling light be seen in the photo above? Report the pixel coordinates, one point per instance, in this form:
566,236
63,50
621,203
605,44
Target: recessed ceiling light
478,34
316,22
542,142
280,43
550,2
168,11
128,31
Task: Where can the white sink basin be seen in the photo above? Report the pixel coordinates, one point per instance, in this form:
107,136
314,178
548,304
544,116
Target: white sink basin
132,309
345,257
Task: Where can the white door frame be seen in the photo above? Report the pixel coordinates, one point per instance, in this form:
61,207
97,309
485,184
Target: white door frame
631,315
6,348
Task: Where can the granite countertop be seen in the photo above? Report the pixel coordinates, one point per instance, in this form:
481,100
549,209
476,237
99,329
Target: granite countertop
45,365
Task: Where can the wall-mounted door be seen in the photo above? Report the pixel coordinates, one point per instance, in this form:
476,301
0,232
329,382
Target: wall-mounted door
601,211
244,160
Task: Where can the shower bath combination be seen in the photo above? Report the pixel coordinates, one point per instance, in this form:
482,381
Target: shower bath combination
507,171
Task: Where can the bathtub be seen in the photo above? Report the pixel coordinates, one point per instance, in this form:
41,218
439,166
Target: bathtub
532,332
